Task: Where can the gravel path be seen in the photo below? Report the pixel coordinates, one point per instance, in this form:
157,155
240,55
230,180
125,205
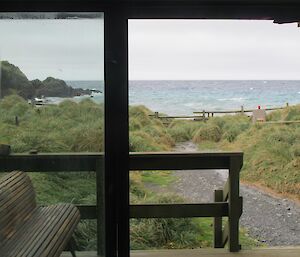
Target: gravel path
272,220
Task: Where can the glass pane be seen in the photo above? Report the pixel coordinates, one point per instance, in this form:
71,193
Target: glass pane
52,101
211,86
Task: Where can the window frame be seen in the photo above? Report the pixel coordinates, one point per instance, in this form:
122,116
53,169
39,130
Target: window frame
116,15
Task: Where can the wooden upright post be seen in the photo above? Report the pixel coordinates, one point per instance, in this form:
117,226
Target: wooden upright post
100,207
218,240
116,133
234,204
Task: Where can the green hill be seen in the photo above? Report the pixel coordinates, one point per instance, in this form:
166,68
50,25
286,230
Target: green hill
14,81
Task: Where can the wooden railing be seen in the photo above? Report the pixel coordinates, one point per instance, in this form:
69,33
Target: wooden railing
204,115
227,203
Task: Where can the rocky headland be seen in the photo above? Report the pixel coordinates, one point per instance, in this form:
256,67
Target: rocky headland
14,81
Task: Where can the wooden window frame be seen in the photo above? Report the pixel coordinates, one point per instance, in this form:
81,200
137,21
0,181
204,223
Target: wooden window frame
116,15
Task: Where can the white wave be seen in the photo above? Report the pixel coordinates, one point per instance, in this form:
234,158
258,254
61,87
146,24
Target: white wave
237,99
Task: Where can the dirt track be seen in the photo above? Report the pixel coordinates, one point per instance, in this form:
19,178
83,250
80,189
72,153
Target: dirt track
272,220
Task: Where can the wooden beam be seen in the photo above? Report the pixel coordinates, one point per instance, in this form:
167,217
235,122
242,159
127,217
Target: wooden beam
165,210
64,162
279,10
51,162
181,161
286,251
179,210
87,212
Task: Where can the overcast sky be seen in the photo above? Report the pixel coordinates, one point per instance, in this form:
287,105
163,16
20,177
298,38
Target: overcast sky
158,49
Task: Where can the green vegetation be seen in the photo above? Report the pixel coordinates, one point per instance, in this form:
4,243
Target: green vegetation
272,158
68,127
272,151
163,233
169,233
78,127
147,134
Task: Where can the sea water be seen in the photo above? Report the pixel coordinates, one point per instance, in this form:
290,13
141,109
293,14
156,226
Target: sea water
185,97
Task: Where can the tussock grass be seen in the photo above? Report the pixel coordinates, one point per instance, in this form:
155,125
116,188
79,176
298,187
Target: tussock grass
272,157
272,152
209,132
78,127
146,133
183,130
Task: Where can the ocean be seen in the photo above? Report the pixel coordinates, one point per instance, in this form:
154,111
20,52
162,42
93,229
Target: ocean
185,97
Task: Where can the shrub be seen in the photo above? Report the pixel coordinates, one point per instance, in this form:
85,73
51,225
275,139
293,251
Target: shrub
208,132
142,142
141,113
231,135
134,124
182,131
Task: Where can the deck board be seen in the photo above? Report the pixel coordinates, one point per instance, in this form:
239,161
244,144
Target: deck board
258,252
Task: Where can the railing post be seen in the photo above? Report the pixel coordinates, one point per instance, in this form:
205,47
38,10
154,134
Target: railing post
218,222
234,207
100,207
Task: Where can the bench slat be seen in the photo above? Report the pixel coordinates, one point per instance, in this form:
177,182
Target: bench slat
17,200
31,229
27,230
57,239
38,244
60,247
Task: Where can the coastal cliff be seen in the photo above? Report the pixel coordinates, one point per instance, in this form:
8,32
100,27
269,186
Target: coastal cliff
14,81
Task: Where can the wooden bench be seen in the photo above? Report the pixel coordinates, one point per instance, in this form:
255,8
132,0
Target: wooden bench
28,230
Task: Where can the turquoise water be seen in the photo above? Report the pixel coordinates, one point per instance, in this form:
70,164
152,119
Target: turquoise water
185,97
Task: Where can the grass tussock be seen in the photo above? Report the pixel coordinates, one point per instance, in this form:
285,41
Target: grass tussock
272,158
272,151
78,127
147,134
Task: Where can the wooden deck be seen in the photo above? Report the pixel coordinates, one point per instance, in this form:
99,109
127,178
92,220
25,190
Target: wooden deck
258,252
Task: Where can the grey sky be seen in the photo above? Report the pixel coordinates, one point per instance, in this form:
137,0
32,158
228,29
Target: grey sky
212,49
67,49
158,49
